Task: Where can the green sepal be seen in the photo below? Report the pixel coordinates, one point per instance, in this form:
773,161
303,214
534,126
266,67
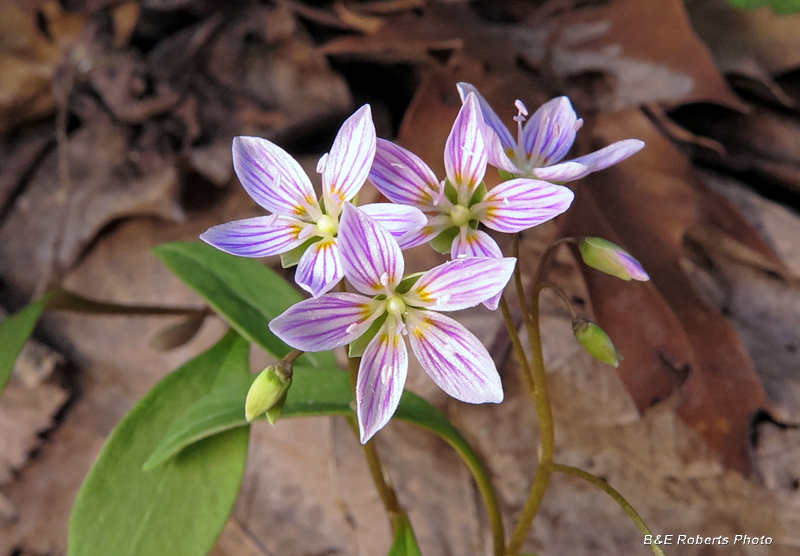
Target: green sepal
274,412
506,175
291,257
357,347
479,194
450,192
444,241
406,283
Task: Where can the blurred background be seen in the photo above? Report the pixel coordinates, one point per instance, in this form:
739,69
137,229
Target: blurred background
116,120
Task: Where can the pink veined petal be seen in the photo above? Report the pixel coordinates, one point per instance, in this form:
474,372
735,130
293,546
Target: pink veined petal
261,236
522,203
370,256
474,243
610,155
421,236
562,172
491,118
403,177
633,267
273,178
465,150
326,322
460,284
550,132
497,155
453,357
350,157
319,268
396,219
381,377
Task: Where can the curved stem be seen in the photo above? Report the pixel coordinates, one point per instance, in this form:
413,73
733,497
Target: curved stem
605,487
563,295
379,477
543,409
545,413
519,351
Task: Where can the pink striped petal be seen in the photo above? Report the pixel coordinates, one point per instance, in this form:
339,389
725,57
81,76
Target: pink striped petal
562,172
273,178
497,155
453,357
465,150
460,284
403,177
396,219
421,236
522,203
261,236
350,158
330,321
474,243
549,134
319,268
491,118
381,377
371,258
610,155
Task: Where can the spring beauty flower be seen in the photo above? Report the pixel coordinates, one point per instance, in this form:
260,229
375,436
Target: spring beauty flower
544,141
451,355
299,221
458,204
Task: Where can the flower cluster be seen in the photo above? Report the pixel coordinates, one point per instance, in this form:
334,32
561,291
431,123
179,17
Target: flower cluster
330,239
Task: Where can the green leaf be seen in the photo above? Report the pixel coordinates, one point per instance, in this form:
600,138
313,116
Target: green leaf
243,291
405,543
180,508
780,7
316,392
14,333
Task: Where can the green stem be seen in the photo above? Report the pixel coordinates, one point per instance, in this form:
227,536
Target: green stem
605,487
379,477
519,351
547,447
544,410
564,297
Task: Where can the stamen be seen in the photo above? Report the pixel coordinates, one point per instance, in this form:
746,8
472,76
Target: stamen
523,110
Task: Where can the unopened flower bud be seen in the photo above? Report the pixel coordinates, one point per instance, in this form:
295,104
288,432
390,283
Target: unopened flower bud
268,392
596,342
610,258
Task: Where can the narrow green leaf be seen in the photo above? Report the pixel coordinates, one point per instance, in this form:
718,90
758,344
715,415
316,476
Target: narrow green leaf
780,7
14,333
316,392
180,508
405,543
243,291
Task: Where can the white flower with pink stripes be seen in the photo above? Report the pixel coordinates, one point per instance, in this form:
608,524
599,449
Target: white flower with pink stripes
400,308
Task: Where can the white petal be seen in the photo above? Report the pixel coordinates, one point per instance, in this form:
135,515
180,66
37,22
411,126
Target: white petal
453,357
381,377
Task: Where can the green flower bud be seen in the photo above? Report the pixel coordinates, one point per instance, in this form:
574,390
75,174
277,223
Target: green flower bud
268,392
596,342
610,258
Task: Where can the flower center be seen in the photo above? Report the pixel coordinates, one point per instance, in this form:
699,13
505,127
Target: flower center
460,215
396,305
327,225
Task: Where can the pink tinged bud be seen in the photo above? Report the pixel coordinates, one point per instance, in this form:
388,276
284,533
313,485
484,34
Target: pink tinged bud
610,258
596,342
267,394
